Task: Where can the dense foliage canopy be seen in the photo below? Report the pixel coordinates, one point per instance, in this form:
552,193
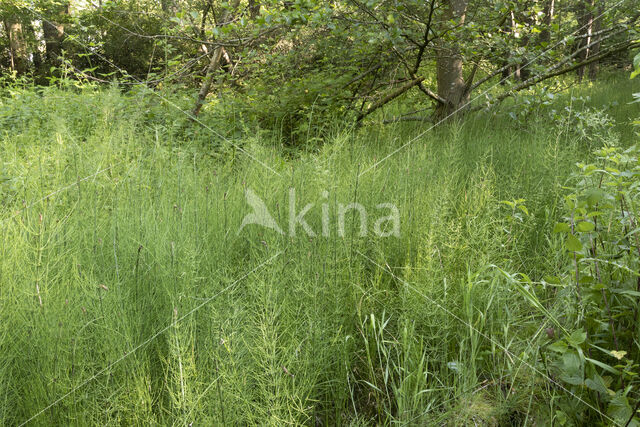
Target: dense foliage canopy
342,58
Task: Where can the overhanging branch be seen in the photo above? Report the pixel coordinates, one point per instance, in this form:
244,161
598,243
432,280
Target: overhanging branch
390,97
538,79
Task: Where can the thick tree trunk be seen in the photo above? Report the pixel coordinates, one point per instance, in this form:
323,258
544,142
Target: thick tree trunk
523,68
449,65
17,44
506,30
53,35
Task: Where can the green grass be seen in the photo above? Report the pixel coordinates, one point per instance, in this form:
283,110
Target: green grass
119,225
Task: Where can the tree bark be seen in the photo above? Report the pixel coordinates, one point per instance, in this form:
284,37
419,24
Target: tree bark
595,49
54,34
549,10
449,65
37,57
169,7
17,44
254,8
585,23
388,98
214,62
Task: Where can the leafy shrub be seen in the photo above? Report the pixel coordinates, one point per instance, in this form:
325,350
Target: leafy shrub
597,358
591,126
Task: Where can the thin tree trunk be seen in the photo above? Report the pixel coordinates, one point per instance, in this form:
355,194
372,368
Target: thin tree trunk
585,22
254,8
168,7
449,65
595,49
37,57
516,71
214,62
549,10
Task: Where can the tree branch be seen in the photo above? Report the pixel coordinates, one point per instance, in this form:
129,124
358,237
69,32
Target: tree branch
431,94
538,79
391,96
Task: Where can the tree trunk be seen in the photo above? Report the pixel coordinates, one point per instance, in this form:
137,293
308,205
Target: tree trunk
549,10
506,31
214,62
585,23
37,57
523,70
17,44
169,7
516,67
54,34
254,8
449,65
595,49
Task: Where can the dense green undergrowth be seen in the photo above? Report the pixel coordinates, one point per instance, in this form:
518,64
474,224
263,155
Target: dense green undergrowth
128,295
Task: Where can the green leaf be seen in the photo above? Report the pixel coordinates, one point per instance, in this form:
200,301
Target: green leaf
586,226
577,338
571,370
594,195
620,410
596,383
573,244
561,227
630,293
603,366
553,280
559,347
636,65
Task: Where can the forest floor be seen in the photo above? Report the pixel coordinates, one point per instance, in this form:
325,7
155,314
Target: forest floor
131,292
